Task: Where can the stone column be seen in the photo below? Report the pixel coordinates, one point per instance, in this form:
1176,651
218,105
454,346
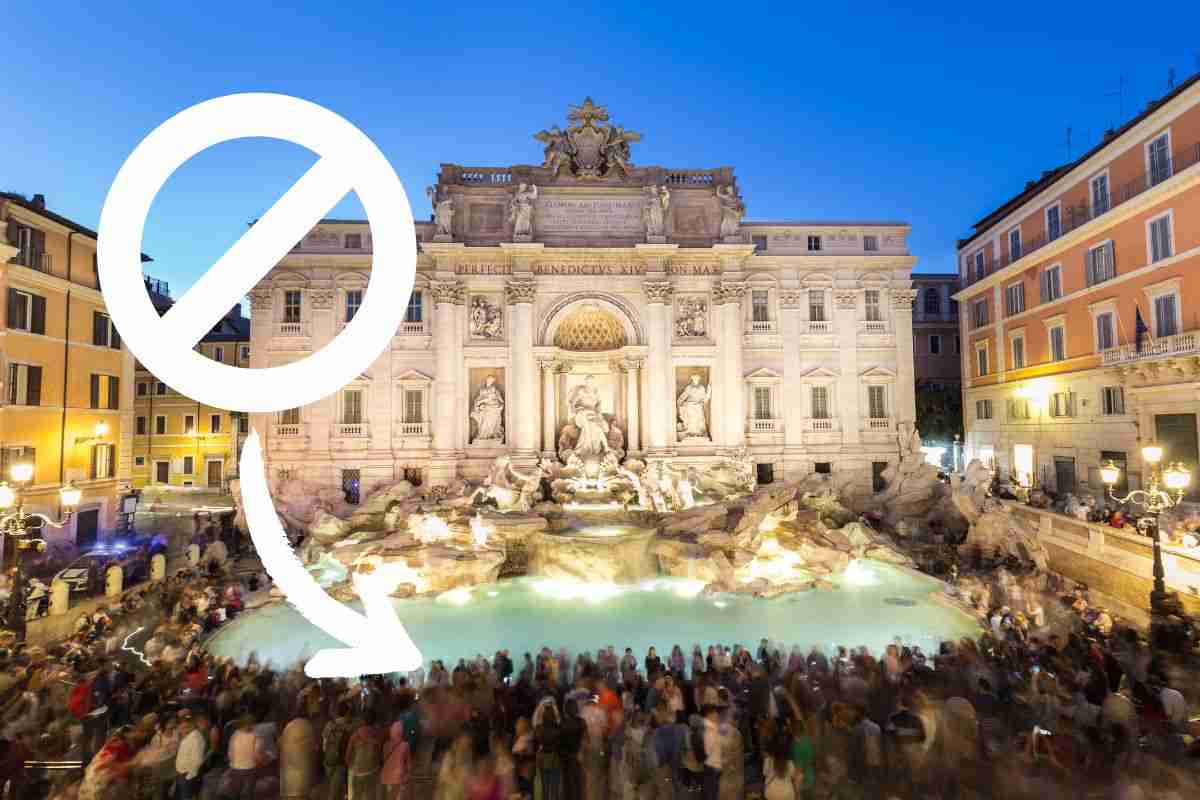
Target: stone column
660,403
633,367
550,368
523,383
906,396
261,332
732,425
791,302
846,317
447,296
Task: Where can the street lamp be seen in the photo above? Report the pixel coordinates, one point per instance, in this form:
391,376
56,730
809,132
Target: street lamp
1164,492
17,524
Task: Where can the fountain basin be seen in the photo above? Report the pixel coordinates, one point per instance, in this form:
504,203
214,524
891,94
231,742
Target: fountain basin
597,553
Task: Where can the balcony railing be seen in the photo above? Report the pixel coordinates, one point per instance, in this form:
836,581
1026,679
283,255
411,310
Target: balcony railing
762,326
878,424
821,424
33,259
293,329
351,430
412,328
1180,344
821,328
288,430
1077,216
765,425
873,327
414,428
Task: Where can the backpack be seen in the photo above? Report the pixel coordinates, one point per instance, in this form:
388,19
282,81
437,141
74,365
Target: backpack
79,703
697,743
333,743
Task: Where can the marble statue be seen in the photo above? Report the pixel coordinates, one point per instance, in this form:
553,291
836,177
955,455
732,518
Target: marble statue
639,486
443,211
487,412
616,150
666,485
520,210
691,402
557,153
584,407
686,487
590,148
487,320
654,212
732,210
691,318
910,439
529,485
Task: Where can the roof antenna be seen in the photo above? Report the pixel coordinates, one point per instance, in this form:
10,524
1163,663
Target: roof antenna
1120,93
1068,143
1170,79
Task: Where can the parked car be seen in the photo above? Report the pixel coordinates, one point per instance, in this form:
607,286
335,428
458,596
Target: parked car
86,574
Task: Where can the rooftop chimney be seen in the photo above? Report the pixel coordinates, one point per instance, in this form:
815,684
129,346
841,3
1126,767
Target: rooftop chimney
38,201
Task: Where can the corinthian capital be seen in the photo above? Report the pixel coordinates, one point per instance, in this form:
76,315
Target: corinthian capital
792,298
658,291
448,292
260,299
903,298
845,298
520,292
728,293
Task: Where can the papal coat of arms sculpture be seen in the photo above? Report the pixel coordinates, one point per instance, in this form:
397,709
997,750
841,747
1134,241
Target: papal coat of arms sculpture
591,147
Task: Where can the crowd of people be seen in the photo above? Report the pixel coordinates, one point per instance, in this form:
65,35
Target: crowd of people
1073,713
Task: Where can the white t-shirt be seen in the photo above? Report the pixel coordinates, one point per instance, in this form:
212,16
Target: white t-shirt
778,787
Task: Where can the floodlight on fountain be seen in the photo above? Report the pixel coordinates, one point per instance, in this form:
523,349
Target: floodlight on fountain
481,531
567,589
1177,477
769,523
459,596
769,548
432,528
858,574
1110,473
1152,453
687,588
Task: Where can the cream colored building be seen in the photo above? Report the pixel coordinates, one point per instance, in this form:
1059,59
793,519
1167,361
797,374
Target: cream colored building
590,269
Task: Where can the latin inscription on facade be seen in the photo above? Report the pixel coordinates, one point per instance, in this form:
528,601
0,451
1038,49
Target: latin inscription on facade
614,216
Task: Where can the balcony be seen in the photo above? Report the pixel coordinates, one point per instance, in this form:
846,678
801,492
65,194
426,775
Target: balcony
821,425
820,328
1181,344
872,327
42,262
763,326
412,329
351,430
879,424
293,329
764,426
407,430
1077,216
287,431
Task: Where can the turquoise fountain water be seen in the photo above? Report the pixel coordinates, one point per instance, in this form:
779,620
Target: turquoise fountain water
874,604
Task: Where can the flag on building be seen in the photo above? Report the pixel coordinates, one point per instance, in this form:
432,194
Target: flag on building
1140,330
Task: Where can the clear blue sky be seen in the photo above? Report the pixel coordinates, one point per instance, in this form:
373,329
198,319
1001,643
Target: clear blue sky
829,111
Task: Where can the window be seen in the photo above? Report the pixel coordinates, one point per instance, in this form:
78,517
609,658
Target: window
1112,400
820,402
1051,283
103,461
979,313
762,402
160,388
413,312
214,423
760,243
289,416
983,409
1058,343
981,360
139,461
1018,408
1158,235
353,301
189,424
1105,332
979,270
816,305
141,426
814,243
1014,298
872,303
823,467
870,243
1014,244
957,344
24,385
935,344
219,354
1062,404
105,391
1098,264
414,406
352,407
17,455
246,353
243,421
354,241
104,333
1018,352
291,305
933,301
758,306
1099,195
875,402
1053,223
188,465
26,311
351,485
878,484
142,388
1158,159
160,425
1165,319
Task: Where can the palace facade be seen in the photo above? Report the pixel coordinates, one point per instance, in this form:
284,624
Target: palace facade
589,298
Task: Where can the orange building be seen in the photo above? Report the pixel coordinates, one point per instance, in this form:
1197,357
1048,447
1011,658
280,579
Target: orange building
1080,312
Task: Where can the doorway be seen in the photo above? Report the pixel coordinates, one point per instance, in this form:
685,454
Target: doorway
878,484
765,473
87,526
1064,474
214,474
1177,435
162,471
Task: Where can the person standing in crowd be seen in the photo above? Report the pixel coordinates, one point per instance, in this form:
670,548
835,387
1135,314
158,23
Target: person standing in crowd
193,751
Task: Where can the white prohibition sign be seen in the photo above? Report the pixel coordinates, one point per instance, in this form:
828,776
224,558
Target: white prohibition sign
377,642
348,160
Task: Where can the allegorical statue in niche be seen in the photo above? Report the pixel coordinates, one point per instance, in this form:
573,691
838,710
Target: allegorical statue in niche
487,412
584,406
732,210
692,400
654,210
443,211
520,210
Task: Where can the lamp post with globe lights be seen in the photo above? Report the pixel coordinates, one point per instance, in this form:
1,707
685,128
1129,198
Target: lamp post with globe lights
1163,492
17,524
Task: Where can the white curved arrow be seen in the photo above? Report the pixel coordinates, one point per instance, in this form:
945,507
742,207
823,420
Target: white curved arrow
377,642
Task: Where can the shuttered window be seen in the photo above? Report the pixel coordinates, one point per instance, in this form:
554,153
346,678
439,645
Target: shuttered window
820,402
1160,239
871,298
816,305
26,311
762,402
1051,284
352,407
1165,319
105,392
24,385
1058,344
1105,336
103,461
875,402
1098,264
1112,400
414,406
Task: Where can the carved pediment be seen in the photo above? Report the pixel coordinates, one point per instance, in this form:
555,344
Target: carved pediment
413,376
820,374
877,373
764,374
